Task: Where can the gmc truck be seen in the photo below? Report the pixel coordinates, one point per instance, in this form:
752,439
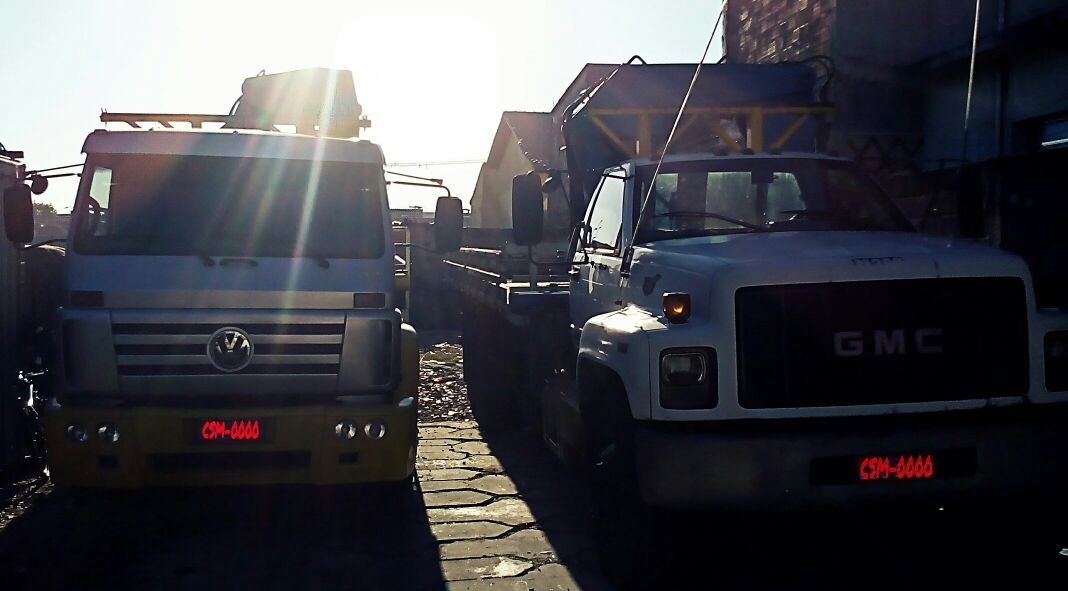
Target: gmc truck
749,324
229,314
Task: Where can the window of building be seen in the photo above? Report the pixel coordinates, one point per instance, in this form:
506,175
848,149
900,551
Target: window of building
1054,134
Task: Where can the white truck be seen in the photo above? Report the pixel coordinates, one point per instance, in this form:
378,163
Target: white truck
768,332
229,313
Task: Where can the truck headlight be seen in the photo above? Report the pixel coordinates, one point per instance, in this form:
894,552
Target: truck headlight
108,433
683,369
1057,361
375,429
688,378
346,429
76,433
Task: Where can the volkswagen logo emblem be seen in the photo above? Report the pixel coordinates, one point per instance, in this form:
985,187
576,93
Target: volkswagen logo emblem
230,349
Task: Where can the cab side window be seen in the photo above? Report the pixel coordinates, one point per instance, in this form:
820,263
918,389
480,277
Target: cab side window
605,219
100,194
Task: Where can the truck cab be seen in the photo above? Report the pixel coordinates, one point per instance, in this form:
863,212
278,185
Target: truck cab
229,315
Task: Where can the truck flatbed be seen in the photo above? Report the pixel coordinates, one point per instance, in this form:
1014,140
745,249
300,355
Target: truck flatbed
513,295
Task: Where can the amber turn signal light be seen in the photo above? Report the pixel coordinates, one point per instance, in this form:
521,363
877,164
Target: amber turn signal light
677,307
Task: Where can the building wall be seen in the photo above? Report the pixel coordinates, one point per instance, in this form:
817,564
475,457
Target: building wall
1007,96
901,67
766,31
904,32
491,202
860,37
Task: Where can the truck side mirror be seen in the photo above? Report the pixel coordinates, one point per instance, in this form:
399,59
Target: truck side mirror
528,210
18,214
38,184
448,224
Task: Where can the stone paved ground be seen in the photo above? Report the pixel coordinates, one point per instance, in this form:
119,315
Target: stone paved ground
505,515
493,535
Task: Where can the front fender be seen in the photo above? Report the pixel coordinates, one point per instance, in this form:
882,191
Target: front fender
618,341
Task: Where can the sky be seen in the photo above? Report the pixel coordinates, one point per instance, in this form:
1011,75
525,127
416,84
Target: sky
433,76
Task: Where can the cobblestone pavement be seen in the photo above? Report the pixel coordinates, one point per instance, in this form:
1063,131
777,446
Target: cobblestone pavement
501,529
505,516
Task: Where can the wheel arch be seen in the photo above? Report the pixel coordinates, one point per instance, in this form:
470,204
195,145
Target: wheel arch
617,343
597,384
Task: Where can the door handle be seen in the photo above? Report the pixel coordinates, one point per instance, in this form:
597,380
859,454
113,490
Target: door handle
574,273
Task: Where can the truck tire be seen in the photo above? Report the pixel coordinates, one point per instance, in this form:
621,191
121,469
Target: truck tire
624,525
485,364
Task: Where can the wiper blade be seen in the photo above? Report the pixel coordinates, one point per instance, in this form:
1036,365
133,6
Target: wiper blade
206,260
709,214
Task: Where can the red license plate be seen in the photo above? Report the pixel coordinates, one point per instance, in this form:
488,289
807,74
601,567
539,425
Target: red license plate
922,466
895,467
245,429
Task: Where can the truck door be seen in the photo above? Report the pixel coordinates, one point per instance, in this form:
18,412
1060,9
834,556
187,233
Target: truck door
595,285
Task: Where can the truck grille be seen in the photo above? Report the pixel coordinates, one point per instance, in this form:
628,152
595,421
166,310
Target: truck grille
878,342
178,349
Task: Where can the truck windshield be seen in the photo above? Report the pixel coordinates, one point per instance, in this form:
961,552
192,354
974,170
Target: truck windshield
142,204
720,197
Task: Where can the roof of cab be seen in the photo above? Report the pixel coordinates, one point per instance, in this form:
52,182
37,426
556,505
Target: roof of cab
232,143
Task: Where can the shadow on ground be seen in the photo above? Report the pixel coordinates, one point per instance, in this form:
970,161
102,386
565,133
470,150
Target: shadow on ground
828,550
264,538
917,549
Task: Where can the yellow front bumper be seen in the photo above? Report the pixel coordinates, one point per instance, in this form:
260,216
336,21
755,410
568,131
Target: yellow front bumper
161,447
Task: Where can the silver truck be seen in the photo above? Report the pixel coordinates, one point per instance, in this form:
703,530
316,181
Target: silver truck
229,313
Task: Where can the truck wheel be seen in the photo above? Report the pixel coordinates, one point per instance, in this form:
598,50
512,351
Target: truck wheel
485,362
623,522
